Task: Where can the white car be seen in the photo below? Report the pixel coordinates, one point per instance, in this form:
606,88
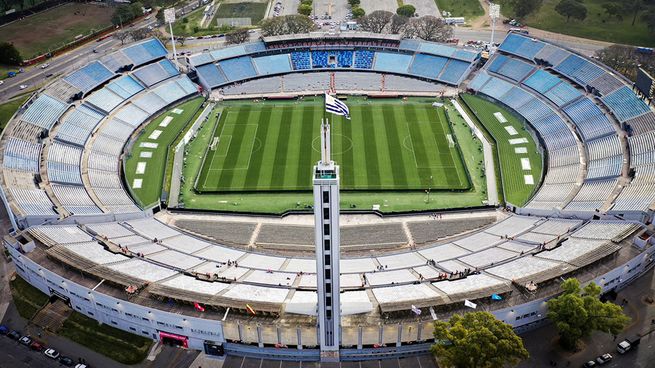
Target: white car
43,66
22,86
51,353
2,82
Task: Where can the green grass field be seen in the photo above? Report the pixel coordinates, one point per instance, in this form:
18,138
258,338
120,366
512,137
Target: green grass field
516,190
27,299
53,28
596,26
8,109
253,10
461,8
386,146
152,178
389,200
116,344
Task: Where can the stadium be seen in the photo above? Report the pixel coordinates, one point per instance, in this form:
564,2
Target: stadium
177,205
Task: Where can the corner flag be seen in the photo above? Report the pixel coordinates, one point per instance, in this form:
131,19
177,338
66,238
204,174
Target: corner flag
334,106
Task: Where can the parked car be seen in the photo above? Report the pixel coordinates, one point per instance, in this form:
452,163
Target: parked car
51,353
14,335
589,364
66,361
4,329
81,366
604,358
36,346
628,344
2,82
25,340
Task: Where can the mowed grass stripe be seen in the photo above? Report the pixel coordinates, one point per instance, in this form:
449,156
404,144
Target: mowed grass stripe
347,168
369,137
444,156
225,178
203,180
406,152
396,159
252,176
385,172
305,151
418,145
279,164
290,179
269,148
359,168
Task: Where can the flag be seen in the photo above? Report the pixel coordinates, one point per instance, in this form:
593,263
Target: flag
250,309
198,307
334,106
433,314
496,297
470,304
416,310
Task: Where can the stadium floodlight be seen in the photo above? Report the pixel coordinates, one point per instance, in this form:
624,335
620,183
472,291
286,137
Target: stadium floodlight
494,13
169,17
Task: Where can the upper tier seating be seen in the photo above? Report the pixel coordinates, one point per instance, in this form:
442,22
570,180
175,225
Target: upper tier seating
78,124
392,63
238,69
301,60
625,104
273,64
89,76
154,73
211,75
145,52
44,111
427,66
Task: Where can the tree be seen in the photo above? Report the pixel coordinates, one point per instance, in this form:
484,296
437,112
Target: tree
649,19
476,340
273,26
139,33
237,36
376,21
358,12
577,313
298,24
634,7
121,36
398,24
125,13
287,24
523,8
571,9
304,9
613,10
354,3
406,10
9,54
429,28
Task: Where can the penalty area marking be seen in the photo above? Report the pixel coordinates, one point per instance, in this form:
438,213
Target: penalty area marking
218,152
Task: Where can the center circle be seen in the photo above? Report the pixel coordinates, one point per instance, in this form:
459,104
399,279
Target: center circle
316,144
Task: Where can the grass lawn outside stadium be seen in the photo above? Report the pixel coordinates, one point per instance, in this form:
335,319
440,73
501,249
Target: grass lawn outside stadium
388,145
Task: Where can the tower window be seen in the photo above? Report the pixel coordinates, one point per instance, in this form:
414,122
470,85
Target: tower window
326,244
326,213
326,229
327,259
326,196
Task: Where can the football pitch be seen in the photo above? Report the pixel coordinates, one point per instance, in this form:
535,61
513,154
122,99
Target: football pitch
387,145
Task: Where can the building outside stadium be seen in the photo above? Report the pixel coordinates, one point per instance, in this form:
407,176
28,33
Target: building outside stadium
569,135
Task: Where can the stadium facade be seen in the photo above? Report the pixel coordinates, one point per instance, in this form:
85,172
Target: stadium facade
80,237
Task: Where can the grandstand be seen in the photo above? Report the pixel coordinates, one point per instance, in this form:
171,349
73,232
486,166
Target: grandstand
76,222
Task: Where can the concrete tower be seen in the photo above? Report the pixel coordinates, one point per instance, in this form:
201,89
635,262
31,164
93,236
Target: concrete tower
326,229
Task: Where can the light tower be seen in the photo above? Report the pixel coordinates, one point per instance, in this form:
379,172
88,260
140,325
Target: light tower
494,13
326,230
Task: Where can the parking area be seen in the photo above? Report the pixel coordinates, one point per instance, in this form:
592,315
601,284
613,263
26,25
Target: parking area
337,9
283,7
372,5
424,7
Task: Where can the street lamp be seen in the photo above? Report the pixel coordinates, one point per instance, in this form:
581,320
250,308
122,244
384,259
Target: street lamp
169,17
